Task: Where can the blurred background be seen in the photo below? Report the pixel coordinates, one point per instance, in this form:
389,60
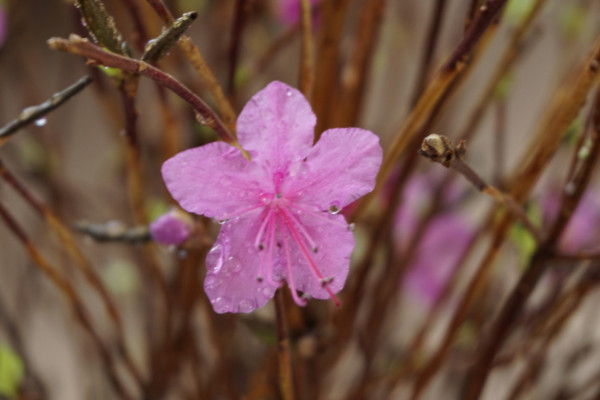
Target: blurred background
419,243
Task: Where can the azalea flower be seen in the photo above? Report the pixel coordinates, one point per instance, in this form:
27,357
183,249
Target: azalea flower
441,245
288,11
279,212
3,23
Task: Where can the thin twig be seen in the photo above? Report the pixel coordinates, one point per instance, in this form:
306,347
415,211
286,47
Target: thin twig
286,382
69,244
33,113
114,231
513,306
438,148
77,45
200,65
307,76
239,20
67,289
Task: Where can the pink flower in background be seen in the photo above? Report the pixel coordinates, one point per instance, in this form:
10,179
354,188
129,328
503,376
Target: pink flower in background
278,212
437,256
289,10
171,228
3,23
441,245
583,230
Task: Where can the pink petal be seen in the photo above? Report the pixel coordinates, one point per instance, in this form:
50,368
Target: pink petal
334,241
232,268
277,126
214,180
339,169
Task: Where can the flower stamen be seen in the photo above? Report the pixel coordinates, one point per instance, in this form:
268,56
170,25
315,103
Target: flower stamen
297,299
259,237
302,230
318,275
238,213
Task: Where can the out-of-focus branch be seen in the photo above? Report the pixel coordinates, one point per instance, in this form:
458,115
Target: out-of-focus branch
33,113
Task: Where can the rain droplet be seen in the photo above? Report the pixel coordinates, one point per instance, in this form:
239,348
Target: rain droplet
351,227
267,291
334,209
233,264
247,305
40,122
221,221
288,93
221,304
212,283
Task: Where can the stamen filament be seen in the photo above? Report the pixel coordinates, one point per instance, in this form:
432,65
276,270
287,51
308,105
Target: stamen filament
302,230
300,301
239,213
271,239
318,275
261,230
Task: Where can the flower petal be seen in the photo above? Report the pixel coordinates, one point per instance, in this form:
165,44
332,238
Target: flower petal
277,126
232,268
334,241
214,180
339,169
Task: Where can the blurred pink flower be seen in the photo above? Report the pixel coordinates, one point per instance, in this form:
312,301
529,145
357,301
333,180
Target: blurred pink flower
288,11
437,256
278,212
3,23
171,228
441,245
583,231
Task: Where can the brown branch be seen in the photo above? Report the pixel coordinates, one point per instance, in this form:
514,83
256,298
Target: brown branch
239,21
514,304
307,73
200,65
83,47
286,381
74,300
438,148
436,89
69,244
31,114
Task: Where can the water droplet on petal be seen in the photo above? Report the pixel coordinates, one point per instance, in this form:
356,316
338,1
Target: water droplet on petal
221,221
214,259
351,227
221,304
233,265
247,305
334,209
212,282
288,93
267,291
40,122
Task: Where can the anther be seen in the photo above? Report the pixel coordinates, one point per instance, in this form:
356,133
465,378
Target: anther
326,281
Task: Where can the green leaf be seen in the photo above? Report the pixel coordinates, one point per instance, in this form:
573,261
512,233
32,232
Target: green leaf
12,370
522,238
517,11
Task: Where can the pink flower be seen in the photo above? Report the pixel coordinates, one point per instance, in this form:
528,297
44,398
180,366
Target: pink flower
171,228
3,23
288,11
583,229
437,256
279,211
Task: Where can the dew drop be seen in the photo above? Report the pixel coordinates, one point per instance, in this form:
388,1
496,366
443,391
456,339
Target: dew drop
247,305
351,227
182,254
222,221
288,93
40,122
